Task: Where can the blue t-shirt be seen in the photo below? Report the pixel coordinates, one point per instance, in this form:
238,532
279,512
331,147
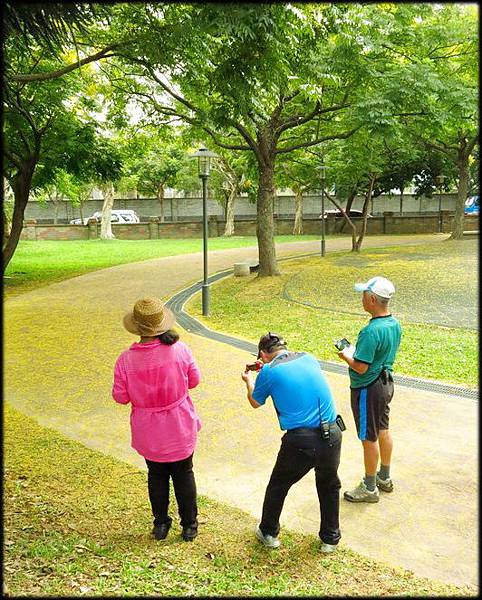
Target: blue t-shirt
299,389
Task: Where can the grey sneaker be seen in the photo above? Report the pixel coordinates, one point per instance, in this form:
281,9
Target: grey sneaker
268,540
386,485
327,548
362,494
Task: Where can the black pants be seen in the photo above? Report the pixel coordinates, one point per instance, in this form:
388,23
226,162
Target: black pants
299,453
184,488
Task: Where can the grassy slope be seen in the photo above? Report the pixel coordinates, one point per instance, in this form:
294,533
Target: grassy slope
41,263
248,307
77,522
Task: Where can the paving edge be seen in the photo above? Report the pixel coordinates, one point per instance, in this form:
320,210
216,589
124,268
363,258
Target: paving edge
192,325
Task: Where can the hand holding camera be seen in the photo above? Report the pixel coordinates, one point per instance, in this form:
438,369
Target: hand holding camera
256,366
344,347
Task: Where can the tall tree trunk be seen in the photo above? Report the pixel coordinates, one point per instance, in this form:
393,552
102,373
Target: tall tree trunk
229,227
463,187
268,265
21,185
8,203
106,225
401,199
81,210
366,204
160,197
298,225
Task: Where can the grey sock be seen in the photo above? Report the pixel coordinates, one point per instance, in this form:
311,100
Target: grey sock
370,482
384,472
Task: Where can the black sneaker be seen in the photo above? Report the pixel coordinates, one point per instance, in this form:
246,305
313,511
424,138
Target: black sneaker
160,531
386,485
189,533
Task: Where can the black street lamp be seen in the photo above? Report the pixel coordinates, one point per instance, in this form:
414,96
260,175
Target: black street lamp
440,181
322,167
204,168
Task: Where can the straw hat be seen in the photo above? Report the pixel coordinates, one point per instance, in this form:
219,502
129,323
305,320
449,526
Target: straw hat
149,318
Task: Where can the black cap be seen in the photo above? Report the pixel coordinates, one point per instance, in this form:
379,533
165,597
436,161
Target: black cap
269,341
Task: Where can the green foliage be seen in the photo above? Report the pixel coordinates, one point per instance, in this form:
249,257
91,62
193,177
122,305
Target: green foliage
52,25
61,185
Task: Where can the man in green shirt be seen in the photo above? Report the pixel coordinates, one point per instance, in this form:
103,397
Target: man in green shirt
371,383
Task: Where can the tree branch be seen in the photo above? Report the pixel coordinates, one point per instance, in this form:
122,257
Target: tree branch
246,136
13,158
300,119
222,144
338,136
54,74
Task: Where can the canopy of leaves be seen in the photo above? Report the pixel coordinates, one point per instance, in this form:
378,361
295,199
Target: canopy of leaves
52,26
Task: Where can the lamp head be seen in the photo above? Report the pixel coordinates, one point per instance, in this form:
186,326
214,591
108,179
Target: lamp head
204,161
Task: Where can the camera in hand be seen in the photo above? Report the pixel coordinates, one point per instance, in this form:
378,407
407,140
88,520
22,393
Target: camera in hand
341,344
256,366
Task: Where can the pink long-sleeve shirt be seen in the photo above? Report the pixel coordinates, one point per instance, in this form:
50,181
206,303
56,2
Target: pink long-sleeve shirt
155,378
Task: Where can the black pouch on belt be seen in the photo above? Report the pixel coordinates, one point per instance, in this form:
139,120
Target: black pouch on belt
325,430
340,422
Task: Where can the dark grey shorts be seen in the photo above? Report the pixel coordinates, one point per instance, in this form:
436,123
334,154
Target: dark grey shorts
371,408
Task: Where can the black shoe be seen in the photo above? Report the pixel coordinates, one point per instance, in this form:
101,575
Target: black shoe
160,531
189,533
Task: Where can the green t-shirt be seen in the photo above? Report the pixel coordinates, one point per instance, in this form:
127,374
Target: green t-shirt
377,345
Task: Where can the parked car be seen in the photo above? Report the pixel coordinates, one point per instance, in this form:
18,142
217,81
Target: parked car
339,215
117,216
472,205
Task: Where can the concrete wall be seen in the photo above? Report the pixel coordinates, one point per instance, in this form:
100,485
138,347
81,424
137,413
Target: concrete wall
152,229
186,209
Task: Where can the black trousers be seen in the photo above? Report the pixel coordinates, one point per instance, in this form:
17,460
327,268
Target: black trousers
299,453
184,489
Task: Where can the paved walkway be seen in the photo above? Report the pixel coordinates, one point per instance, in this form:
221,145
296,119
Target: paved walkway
60,345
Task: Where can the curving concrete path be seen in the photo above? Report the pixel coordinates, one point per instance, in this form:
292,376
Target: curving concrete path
60,345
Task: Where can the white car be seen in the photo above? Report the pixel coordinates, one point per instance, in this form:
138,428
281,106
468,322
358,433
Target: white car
117,216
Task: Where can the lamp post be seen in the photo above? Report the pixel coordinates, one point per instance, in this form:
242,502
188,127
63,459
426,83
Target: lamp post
204,168
322,167
440,180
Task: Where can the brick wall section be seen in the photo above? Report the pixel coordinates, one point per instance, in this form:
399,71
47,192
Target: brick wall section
389,223
190,208
131,231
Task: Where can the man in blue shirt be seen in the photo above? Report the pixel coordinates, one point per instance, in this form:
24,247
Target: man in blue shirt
371,383
306,410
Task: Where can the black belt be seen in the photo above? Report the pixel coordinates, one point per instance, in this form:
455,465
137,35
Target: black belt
308,429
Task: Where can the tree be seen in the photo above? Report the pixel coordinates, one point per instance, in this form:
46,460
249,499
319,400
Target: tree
441,51
271,71
228,181
40,132
157,169
300,172
106,160
271,79
42,128
60,186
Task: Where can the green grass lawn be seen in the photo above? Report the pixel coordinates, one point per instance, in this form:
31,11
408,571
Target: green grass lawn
41,263
77,522
436,284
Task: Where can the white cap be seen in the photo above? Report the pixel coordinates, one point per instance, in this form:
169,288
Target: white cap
378,285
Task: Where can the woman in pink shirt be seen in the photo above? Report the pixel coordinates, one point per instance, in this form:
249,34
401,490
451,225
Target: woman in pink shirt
155,375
